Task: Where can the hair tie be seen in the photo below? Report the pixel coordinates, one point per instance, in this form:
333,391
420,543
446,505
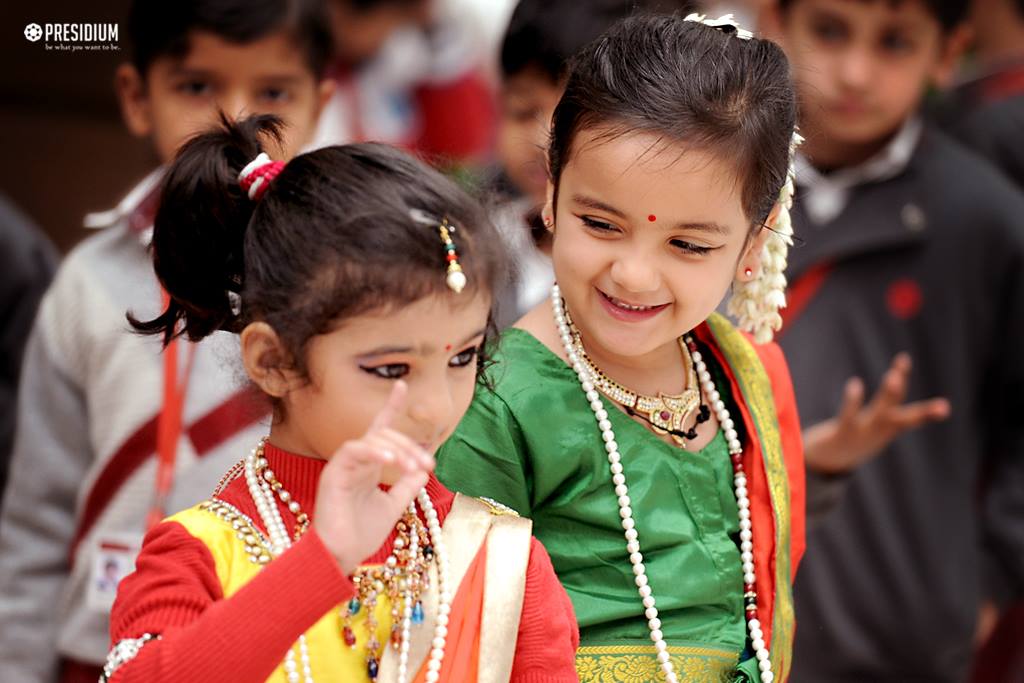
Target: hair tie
257,175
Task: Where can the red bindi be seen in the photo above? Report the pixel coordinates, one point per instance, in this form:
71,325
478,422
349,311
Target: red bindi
652,218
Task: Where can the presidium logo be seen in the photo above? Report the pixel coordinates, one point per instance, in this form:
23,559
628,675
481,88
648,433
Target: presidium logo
74,37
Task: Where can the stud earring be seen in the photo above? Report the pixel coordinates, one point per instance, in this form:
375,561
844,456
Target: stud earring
749,272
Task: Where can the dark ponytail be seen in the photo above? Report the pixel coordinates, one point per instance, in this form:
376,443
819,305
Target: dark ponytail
333,236
199,230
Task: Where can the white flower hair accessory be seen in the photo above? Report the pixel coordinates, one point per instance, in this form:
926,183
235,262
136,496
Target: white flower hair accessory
724,23
755,304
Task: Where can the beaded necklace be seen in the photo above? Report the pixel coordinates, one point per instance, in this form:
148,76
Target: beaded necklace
589,387
408,588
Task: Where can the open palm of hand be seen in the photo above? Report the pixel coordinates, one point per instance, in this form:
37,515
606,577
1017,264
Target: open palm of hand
861,431
354,515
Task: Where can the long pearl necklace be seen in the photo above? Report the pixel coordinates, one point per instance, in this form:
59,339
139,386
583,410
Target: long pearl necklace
626,512
280,540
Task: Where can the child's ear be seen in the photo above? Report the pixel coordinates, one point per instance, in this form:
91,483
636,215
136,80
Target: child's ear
954,45
266,360
135,106
749,266
324,92
547,213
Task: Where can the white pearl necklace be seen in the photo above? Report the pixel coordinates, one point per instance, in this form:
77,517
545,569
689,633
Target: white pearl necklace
280,540
626,512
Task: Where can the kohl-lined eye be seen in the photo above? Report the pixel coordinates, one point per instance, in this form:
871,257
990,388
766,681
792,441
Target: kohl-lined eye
691,248
599,226
389,371
463,358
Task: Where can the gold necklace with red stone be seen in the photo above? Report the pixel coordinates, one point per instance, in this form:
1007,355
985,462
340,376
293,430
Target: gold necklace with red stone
665,413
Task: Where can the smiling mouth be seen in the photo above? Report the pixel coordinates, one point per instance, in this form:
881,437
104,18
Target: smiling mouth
630,307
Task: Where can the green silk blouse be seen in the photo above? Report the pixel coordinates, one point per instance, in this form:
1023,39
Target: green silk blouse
532,443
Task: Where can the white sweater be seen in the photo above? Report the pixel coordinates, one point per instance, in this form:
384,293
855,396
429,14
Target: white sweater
89,387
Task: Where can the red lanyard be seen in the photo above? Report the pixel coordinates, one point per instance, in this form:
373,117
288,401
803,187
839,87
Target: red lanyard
168,429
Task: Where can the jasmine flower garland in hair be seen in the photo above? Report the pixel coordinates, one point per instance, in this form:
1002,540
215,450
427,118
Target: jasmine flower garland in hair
756,304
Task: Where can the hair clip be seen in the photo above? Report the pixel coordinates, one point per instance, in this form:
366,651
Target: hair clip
724,23
255,178
455,278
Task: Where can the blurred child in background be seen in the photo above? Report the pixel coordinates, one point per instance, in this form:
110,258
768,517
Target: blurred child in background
411,73
986,109
913,253
110,432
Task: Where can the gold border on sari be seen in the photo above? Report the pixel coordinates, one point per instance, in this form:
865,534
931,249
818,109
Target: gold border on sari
755,385
508,554
638,664
471,523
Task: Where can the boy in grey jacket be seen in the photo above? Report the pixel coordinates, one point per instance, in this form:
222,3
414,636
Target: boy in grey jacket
911,244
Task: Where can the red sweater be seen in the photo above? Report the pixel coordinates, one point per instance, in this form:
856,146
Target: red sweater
175,592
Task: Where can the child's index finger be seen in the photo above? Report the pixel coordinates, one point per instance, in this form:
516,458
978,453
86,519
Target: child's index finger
395,403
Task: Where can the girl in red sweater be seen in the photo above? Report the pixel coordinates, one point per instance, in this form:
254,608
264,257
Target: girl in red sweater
360,283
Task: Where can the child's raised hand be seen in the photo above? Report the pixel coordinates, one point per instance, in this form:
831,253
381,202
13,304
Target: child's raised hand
859,432
353,515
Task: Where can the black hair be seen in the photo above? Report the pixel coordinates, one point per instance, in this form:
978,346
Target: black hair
949,13
162,28
545,34
332,237
688,83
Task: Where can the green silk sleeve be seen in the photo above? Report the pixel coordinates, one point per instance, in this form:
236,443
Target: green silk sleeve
486,455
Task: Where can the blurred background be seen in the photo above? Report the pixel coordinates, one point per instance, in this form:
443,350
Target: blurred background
456,82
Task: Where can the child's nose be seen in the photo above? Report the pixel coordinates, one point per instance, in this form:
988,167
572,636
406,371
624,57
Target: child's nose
857,68
634,273
236,105
431,410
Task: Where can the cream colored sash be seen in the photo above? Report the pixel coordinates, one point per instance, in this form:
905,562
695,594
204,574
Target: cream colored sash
468,525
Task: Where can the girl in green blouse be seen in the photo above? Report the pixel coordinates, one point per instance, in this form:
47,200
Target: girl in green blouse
655,446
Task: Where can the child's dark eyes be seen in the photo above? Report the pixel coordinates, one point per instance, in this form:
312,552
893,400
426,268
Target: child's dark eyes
682,245
463,358
389,371
400,370
829,31
691,248
599,226
896,42
194,88
275,95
